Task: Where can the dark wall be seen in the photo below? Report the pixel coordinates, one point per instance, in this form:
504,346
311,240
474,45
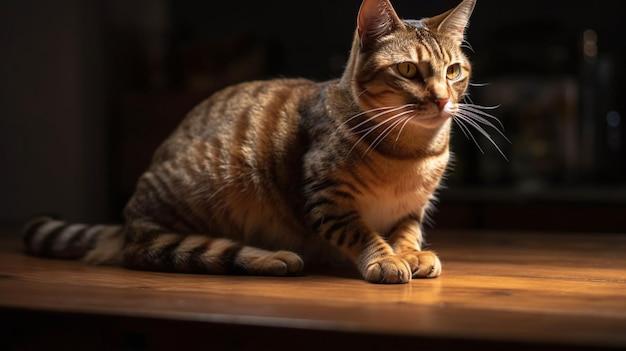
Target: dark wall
52,109
89,88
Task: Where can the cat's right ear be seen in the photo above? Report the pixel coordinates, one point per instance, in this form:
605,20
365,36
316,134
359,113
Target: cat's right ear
376,19
455,21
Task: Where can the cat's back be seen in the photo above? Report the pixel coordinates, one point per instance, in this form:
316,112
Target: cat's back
262,100
242,116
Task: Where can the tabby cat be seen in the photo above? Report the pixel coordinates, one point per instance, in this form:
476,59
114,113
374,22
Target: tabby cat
264,176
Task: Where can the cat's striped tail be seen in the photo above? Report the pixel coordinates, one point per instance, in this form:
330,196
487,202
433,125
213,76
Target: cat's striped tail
98,244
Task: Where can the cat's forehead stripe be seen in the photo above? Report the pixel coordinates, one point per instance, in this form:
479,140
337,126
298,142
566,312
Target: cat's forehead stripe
432,45
427,52
428,48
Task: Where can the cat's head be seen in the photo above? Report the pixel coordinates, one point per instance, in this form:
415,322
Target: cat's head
417,64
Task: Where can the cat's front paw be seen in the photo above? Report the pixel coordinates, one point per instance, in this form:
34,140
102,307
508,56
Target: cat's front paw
424,264
388,270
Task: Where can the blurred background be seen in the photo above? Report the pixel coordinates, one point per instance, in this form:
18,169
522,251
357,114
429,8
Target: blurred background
89,88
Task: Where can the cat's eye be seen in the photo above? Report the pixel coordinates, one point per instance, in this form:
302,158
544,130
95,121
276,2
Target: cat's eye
454,71
407,69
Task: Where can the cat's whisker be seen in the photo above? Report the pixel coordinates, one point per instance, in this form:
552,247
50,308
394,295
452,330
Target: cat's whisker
358,96
354,103
384,109
477,115
481,107
470,119
381,136
479,84
370,130
468,133
463,128
376,126
387,131
406,120
481,120
478,110
467,98
467,45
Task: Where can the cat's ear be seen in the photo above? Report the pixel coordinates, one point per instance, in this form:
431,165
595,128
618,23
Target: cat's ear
453,22
376,19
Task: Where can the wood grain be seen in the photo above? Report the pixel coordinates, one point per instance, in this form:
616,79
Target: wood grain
538,288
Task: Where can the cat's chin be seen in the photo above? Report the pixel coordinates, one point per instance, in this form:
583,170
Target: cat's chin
432,121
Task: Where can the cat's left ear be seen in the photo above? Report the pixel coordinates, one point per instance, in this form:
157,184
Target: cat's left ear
453,22
376,19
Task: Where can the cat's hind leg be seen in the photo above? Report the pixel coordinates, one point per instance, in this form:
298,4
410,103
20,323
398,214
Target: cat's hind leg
171,252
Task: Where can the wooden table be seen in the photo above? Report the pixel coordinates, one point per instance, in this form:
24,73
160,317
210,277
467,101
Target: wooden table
506,290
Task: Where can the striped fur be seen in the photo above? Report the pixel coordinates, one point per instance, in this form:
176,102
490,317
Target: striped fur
266,175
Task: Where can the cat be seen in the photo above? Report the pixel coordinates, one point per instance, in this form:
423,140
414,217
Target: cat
263,176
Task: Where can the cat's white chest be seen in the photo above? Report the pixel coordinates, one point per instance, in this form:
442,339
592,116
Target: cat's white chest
383,208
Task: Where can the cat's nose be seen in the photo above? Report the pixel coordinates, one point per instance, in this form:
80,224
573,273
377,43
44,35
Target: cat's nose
441,103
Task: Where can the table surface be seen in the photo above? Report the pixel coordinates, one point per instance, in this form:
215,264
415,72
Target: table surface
545,288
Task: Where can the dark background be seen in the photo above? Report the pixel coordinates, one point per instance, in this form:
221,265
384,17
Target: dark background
89,88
